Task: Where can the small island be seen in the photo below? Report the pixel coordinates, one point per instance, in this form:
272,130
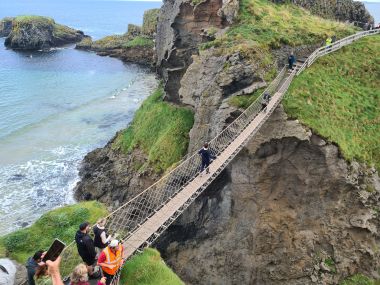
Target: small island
36,33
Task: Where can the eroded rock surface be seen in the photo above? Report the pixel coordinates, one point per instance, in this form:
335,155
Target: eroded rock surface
288,210
111,176
179,32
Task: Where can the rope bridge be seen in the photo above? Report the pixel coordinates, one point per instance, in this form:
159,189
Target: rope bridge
140,221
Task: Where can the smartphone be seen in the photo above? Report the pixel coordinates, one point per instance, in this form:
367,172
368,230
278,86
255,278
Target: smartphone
54,251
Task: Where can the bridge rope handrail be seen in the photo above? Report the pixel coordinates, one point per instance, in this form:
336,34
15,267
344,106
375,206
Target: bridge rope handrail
127,218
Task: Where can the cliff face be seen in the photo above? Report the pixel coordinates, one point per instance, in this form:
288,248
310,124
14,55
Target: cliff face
179,32
110,176
288,210
341,10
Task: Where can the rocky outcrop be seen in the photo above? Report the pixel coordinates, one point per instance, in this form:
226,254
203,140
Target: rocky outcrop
36,32
342,10
137,45
111,176
208,84
118,47
180,29
288,210
5,27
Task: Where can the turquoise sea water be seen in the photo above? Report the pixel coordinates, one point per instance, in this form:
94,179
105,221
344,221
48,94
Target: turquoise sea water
56,106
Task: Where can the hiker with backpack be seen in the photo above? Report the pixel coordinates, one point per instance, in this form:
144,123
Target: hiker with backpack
265,101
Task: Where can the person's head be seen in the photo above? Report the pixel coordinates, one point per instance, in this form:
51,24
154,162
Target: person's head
114,245
38,255
84,227
79,274
292,53
42,270
205,145
101,222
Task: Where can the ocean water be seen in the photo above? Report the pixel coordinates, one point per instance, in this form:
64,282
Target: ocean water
56,106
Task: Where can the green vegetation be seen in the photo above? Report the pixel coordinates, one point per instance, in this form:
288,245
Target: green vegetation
140,41
150,21
61,223
244,101
59,31
330,263
359,279
148,268
160,129
122,41
338,97
263,25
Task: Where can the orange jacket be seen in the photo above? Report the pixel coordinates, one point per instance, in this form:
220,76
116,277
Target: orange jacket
115,260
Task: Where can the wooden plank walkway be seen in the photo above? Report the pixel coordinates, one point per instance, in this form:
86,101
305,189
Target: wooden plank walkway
152,225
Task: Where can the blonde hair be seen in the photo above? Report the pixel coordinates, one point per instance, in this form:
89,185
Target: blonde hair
101,222
79,274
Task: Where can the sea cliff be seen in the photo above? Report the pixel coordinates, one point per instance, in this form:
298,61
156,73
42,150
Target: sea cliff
290,208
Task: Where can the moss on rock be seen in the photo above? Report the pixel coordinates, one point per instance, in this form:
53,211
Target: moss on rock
37,32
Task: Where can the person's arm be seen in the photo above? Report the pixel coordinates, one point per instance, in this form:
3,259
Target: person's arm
53,269
105,240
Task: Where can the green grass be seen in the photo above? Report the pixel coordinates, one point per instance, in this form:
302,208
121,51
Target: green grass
359,279
139,41
61,223
338,97
122,41
263,25
59,31
160,129
244,101
148,268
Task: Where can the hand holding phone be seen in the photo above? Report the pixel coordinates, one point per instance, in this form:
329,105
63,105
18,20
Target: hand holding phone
54,251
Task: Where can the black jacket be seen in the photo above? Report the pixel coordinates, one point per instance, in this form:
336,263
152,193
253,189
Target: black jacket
206,155
86,248
31,266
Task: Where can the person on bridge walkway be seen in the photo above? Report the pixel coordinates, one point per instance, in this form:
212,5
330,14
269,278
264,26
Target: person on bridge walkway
328,41
32,265
100,236
86,248
206,156
291,60
80,276
111,259
265,101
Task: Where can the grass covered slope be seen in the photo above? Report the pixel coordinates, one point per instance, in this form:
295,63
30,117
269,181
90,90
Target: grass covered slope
148,268
339,98
262,25
160,129
61,223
